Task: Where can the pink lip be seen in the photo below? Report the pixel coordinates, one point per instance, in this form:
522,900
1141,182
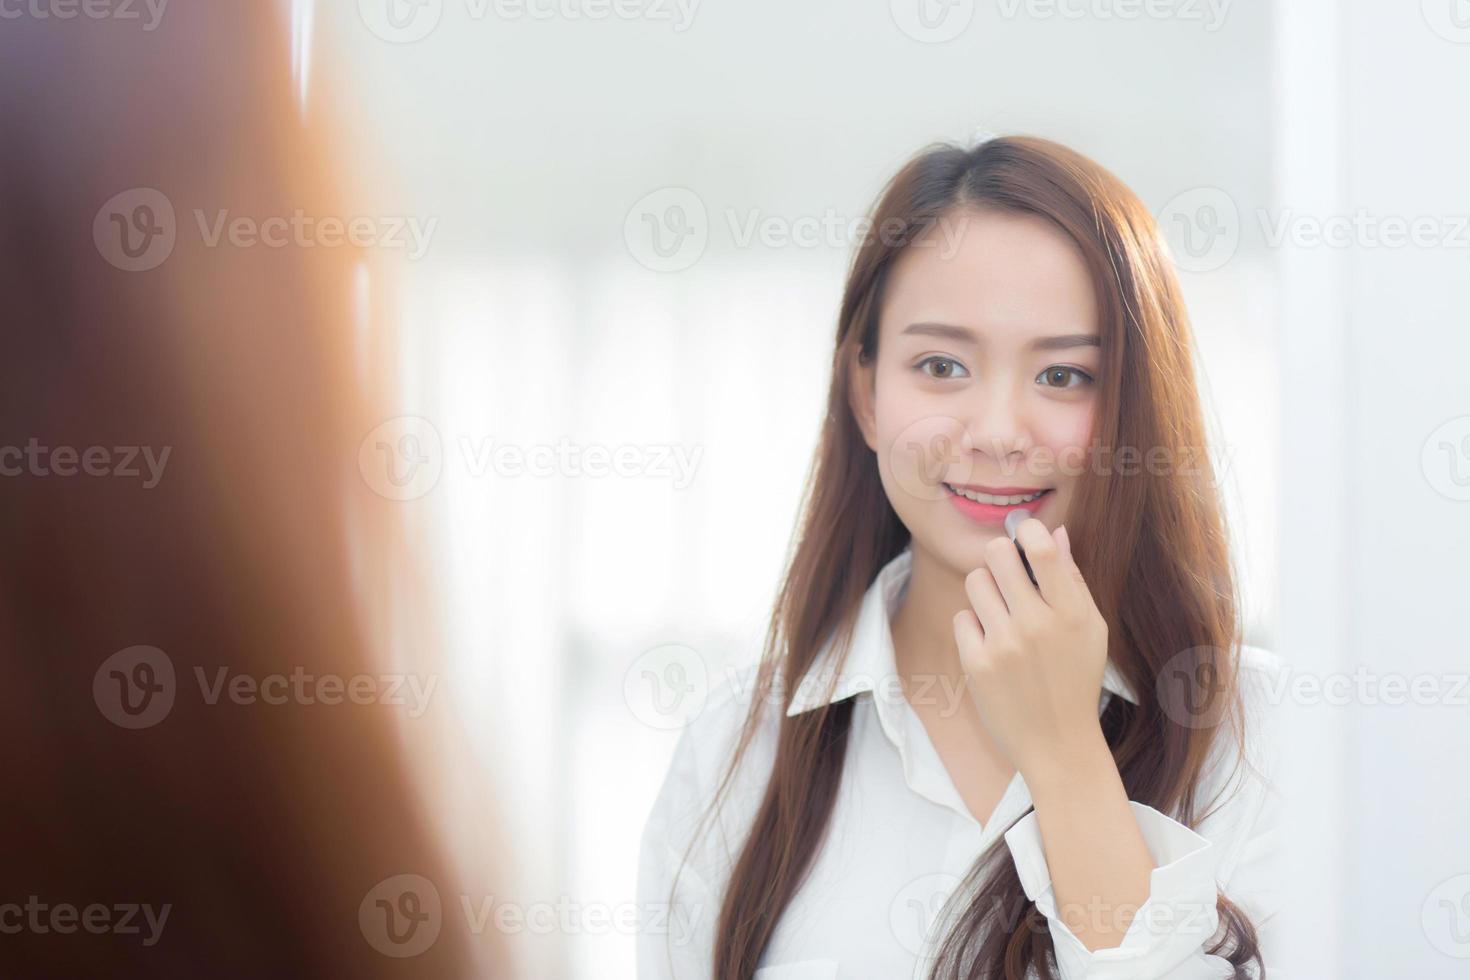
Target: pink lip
994,514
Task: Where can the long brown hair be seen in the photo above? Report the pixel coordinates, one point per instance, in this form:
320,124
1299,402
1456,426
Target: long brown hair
258,549
1153,547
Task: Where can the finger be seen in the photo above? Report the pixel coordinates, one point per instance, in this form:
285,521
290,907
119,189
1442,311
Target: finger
968,637
1053,577
1004,562
1064,544
986,600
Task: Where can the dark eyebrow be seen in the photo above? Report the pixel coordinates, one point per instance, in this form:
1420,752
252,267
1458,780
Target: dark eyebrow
952,332
1065,341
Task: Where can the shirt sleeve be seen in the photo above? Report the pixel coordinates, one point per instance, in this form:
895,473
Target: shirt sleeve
1234,853
1166,936
676,907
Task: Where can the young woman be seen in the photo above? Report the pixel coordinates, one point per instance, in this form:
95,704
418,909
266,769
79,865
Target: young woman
953,760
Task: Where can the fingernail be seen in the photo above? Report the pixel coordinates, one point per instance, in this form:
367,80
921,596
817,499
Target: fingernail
1066,541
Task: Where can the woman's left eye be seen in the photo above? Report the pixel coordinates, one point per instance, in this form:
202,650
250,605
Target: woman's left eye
1052,373
942,368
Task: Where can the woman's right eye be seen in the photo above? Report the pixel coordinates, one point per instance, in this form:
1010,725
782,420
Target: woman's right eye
942,368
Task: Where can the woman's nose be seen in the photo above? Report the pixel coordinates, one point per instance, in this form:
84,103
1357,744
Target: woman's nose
996,427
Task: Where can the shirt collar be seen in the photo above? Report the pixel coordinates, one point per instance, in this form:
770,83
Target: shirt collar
871,664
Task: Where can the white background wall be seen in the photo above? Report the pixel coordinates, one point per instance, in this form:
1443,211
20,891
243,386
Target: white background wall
1376,478
531,319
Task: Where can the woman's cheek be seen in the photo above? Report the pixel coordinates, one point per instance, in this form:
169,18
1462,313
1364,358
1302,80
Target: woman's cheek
1065,438
923,450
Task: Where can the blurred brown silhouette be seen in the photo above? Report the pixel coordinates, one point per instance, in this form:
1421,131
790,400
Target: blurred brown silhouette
253,545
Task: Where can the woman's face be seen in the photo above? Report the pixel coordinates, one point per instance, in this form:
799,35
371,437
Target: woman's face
983,389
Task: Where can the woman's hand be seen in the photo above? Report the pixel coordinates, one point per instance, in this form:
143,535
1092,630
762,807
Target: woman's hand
1034,659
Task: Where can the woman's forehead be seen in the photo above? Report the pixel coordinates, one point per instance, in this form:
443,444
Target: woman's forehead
1006,276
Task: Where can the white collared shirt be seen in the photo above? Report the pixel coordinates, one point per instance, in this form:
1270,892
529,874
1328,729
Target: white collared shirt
902,838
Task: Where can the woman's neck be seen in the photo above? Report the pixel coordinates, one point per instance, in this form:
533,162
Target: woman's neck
923,627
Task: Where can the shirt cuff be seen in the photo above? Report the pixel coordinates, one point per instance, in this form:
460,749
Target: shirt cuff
1169,929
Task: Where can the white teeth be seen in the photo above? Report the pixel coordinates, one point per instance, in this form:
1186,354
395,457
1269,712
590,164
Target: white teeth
987,498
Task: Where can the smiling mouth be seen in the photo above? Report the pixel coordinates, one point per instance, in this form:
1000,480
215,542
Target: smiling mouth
1008,499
